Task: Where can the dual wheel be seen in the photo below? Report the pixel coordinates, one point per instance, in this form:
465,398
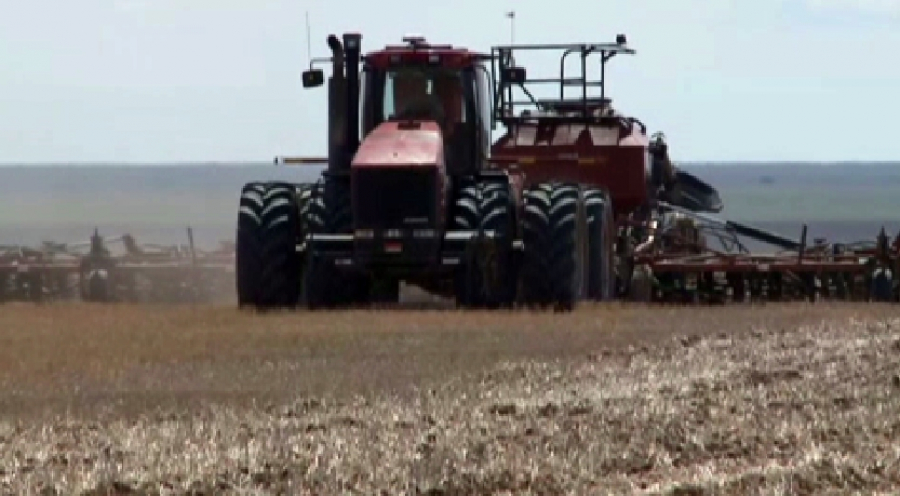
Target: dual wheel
568,233
273,267
269,226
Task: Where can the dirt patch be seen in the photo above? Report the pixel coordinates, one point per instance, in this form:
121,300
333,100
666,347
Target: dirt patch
793,399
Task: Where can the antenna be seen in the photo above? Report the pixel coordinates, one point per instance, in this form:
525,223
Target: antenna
308,40
511,15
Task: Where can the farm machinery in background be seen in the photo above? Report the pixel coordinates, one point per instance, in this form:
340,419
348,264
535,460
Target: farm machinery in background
93,271
575,201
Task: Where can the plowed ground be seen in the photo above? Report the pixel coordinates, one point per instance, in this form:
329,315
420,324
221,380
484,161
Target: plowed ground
780,399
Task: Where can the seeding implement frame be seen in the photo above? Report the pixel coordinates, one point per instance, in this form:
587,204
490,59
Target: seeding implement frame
681,269
90,271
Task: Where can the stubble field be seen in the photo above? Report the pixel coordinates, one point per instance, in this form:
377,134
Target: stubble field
612,399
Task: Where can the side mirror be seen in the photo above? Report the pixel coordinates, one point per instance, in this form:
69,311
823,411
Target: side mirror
313,78
513,75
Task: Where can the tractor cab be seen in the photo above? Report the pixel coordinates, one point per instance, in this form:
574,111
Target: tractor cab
441,83
418,81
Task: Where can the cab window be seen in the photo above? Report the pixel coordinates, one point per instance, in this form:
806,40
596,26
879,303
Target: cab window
415,92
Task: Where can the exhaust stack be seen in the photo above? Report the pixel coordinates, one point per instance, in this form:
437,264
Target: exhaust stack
337,131
352,55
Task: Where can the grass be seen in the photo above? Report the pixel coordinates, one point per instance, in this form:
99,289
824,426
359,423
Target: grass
612,399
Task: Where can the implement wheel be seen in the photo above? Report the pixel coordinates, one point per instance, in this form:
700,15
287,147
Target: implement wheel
601,235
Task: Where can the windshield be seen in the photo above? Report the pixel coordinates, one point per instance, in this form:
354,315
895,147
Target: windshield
425,93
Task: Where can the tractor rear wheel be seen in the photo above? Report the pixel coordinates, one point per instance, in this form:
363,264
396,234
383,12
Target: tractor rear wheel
484,279
555,245
601,235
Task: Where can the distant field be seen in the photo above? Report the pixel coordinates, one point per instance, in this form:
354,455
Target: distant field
781,399
843,202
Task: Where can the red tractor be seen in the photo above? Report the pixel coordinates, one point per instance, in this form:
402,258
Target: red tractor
415,190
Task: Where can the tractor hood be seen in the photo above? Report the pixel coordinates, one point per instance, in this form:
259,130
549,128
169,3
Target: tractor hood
402,144
397,179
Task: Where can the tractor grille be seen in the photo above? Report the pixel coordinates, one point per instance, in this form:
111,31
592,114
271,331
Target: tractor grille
395,198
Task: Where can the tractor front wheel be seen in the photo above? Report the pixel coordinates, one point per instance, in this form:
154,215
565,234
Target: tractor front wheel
247,249
268,267
324,286
484,278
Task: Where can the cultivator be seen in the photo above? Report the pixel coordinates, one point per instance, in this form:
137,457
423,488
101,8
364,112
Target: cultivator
677,264
93,271
573,202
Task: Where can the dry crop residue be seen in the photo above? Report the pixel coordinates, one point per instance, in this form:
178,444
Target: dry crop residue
808,407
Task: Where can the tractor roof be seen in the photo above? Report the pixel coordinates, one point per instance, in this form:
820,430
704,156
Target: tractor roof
417,50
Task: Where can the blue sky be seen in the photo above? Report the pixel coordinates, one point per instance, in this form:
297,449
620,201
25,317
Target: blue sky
171,80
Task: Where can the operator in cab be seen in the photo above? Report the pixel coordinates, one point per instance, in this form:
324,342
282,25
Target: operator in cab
423,94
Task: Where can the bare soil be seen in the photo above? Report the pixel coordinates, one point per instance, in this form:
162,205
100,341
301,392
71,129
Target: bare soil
611,399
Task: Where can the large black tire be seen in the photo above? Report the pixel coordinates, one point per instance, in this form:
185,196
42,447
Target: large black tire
268,267
601,238
553,262
485,279
328,211
280,270
248,253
